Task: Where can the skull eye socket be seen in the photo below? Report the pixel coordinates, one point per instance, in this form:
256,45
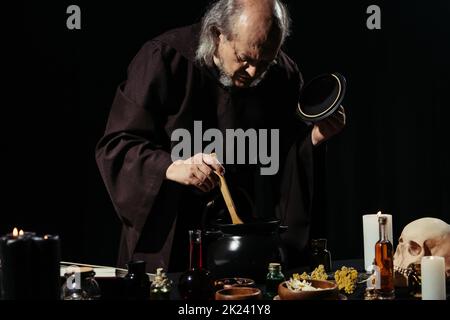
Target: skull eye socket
414,248
400,240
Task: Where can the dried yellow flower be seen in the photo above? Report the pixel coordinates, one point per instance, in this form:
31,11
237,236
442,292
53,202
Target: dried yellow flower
319,273
300,277
346,279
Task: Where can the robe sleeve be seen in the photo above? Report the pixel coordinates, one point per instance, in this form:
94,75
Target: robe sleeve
295,203
133,155
296,188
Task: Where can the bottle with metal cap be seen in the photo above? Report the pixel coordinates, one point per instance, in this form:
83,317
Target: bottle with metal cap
384,261
273,279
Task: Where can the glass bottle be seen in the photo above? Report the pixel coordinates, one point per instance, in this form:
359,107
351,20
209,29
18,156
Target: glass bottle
320,254
80,284
273,279
370,293
161,286
196,283
384,264
136,282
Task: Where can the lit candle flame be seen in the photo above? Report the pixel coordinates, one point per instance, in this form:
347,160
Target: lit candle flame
379,214
45,237
21,232
15,232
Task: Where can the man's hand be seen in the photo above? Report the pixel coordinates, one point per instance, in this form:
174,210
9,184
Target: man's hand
328,127
196,171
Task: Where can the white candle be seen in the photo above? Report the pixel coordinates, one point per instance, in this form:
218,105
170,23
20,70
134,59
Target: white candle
433,278
371,236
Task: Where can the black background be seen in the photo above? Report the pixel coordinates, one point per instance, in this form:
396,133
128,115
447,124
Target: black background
392,156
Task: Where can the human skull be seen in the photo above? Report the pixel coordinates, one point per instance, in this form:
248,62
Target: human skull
422,237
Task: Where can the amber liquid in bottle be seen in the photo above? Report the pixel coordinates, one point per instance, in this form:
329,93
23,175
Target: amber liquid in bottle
384,263
196,283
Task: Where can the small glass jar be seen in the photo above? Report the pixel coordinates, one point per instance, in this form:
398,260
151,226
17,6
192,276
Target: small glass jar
80,284
136,283
320,254
273,280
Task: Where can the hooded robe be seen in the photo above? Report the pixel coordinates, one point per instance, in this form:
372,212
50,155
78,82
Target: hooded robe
167,89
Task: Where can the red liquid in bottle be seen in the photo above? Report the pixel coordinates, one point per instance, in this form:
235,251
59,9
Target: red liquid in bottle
196,283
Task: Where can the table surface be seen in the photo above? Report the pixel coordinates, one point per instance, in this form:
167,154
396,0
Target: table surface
111,285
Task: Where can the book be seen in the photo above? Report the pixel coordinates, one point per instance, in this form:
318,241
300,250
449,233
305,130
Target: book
100,271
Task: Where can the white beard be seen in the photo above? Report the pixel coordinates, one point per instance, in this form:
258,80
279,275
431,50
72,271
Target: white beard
227,80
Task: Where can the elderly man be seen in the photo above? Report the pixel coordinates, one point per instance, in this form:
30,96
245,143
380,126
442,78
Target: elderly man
227,72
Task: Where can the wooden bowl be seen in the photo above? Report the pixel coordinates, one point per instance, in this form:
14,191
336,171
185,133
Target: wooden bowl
239,293
329,291
226,283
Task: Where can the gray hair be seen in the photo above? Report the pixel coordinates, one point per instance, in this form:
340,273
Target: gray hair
220,16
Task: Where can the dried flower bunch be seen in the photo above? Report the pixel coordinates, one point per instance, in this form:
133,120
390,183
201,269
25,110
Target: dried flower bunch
346,279
317,274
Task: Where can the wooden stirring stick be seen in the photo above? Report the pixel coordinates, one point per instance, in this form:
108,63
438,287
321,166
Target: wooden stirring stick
227,197
228,200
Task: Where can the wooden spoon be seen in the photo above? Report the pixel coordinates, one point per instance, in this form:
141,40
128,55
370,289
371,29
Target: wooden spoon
227,197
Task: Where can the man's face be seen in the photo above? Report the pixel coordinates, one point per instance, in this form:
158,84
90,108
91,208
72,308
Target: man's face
244,59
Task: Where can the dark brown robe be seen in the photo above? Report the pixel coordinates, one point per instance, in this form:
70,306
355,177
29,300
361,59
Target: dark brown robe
165,90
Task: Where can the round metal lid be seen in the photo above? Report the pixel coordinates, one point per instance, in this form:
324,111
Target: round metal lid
321,96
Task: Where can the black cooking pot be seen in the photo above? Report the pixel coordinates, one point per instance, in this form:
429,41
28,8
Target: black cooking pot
241,250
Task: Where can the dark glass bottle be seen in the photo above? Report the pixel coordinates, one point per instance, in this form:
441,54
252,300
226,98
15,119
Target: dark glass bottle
320,254
196,283
384,264
273,280
136,282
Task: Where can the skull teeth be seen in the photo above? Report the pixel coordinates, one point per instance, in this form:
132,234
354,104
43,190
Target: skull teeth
405,272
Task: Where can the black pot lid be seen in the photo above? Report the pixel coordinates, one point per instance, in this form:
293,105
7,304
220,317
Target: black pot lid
321,96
